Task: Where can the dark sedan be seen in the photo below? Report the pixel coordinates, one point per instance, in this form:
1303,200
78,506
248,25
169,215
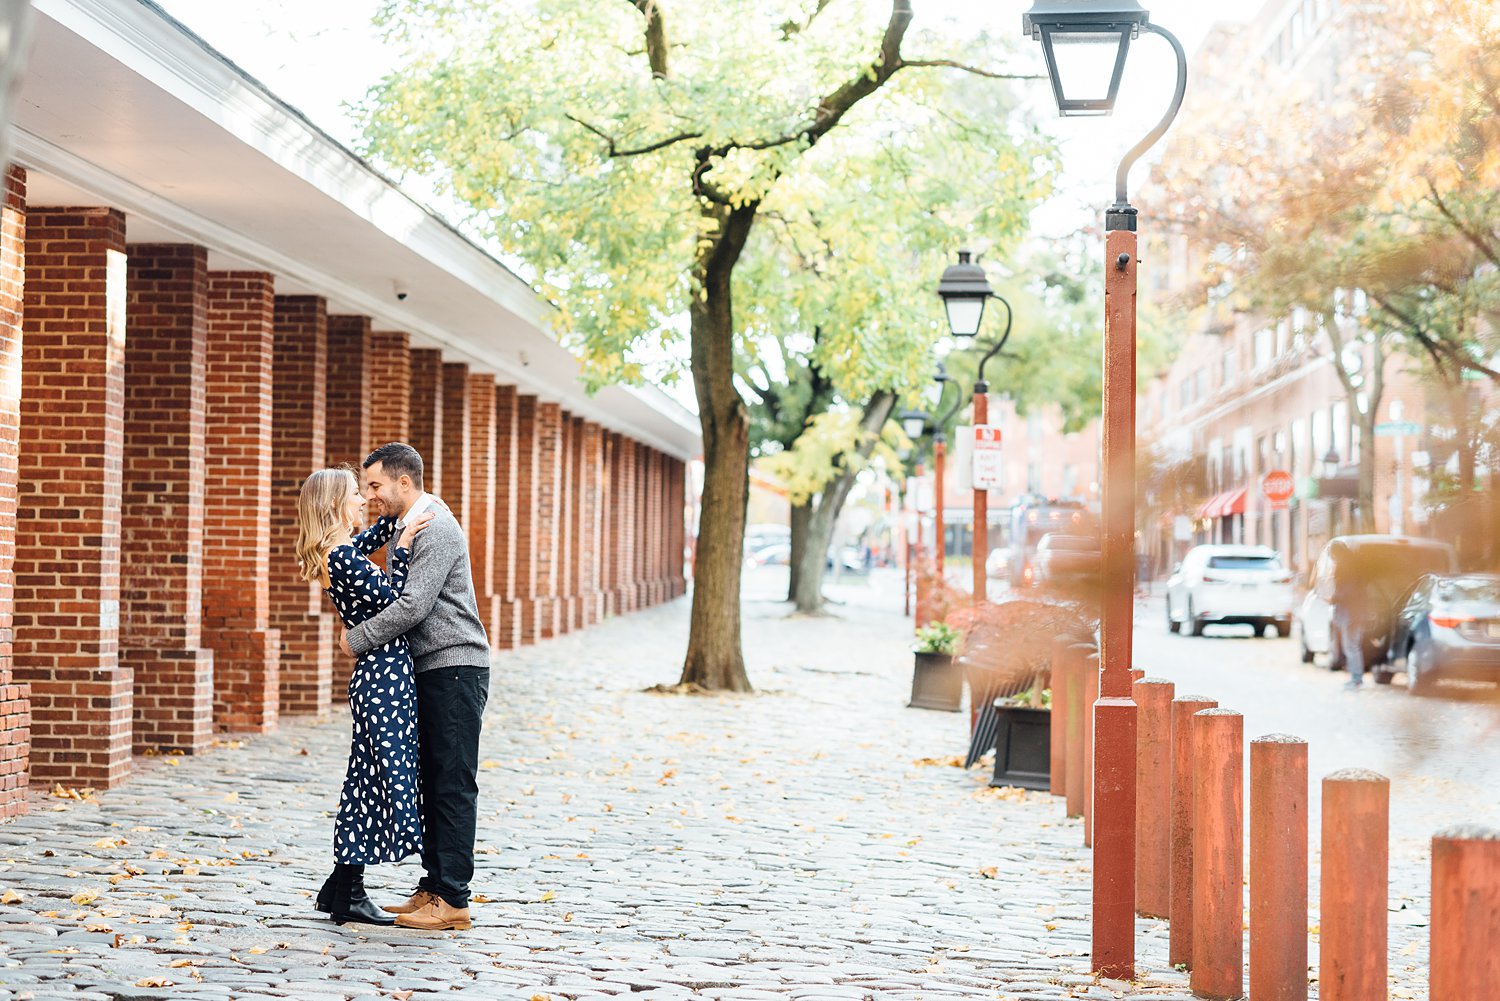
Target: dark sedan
1448,627
1062,558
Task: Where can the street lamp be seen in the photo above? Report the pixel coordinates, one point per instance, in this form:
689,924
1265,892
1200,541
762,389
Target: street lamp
1070,32
914,422
939,457
965,290
1085,44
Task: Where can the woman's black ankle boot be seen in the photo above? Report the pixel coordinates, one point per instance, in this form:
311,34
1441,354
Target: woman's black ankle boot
324,901
349,903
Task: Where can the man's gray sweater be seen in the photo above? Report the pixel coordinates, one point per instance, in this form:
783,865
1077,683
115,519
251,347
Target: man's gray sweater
437,610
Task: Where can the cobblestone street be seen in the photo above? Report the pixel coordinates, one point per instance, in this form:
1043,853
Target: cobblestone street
791,843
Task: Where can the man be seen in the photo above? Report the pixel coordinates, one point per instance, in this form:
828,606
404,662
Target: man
1350,621
439,616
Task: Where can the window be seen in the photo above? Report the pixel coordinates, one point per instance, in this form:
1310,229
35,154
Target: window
1263,347
1320,438
1185,394
1340,414
1244,562
1200,384
1228,373
1299,450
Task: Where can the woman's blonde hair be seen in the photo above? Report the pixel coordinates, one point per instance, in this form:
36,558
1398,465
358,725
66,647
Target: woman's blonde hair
321,521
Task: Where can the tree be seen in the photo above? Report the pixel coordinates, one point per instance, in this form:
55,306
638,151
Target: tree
627,152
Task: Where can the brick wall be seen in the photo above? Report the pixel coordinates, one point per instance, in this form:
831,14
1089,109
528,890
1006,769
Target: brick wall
425,433
504,614
549,465
390,388
67,562
526,519
677,520
481,506
161,527
626,504
455,441
299,610
15,699
237,510
351,357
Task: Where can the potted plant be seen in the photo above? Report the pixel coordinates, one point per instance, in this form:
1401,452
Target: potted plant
1006,653
936,682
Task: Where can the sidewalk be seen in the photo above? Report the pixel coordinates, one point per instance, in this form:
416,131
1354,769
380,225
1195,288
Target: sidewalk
787,844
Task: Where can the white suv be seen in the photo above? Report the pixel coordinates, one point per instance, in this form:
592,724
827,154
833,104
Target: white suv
1230,584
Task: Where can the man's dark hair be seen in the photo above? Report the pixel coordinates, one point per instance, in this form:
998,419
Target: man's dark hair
398,459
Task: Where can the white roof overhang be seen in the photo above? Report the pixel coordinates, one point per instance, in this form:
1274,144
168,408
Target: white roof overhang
123,106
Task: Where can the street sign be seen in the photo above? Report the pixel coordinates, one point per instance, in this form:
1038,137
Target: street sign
988,467
1278,487
1393,429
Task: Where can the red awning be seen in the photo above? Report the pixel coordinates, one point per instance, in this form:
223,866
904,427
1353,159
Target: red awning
1222,505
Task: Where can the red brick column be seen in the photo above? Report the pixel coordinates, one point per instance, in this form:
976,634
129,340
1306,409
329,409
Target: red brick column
425,430
390,387
627,570
351,368
237,509
15,699
503,614
72,447
590,535
549,514
299,610
454,444
650,515
677,525
567,527
481,523
609,523
161,553
527,599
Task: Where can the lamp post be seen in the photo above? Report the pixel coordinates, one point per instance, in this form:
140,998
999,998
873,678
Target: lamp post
939,462
914,423
965,290
1085,44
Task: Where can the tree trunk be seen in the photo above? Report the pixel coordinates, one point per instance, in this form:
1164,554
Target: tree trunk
801,519
808,592
714,658
1367,467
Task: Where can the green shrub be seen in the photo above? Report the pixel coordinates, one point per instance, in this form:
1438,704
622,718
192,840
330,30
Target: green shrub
937,637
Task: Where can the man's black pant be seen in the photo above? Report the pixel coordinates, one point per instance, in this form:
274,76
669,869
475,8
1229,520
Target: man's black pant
450,707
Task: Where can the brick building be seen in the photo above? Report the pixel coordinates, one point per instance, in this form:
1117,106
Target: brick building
202,299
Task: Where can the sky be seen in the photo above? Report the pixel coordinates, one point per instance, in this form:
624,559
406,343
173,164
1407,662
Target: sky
318,56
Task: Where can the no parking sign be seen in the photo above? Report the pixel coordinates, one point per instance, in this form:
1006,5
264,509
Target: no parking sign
988,467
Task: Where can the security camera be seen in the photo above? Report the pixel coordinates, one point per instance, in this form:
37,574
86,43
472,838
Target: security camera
401,292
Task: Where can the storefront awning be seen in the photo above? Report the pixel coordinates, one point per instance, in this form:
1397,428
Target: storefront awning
1222,505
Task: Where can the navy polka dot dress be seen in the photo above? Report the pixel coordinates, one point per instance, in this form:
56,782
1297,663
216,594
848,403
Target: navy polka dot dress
380,809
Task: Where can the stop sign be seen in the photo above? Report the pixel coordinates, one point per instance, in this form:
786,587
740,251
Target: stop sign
1277,486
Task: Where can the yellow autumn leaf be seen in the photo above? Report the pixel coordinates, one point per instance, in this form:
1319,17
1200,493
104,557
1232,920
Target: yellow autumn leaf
11,897
546,897
155,982
111,843
178,964
83,897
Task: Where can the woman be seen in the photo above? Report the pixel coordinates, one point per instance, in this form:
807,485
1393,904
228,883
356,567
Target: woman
379,818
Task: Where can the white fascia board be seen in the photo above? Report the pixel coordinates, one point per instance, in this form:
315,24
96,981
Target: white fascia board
145,39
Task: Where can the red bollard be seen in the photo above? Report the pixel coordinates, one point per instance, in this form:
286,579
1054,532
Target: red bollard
1078,712
1180,948
1278,868
1218,854
1057,769
1136,674
1355,886
1090,696
1465,965
1153,797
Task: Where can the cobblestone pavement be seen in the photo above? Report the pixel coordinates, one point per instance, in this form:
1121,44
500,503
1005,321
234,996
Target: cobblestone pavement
788,844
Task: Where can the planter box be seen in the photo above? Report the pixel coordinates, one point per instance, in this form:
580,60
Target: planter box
1023,747
937,683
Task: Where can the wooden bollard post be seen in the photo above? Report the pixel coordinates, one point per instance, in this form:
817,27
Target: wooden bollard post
1218,854
1355,885
1057,770
1465,965
1180,945
1090,696
1153,797
1077,665
1278,868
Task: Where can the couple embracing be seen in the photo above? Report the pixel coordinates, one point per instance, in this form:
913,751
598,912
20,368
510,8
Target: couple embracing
417,690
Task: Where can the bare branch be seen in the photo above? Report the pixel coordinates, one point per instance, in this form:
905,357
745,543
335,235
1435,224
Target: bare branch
976,70
791,28
656,35
613,145
1479,242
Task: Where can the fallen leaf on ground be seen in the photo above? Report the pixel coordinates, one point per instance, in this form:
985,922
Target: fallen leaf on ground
177,964
83,897
546,897
953,761
480,898
111,843
990,872
11,897
155,981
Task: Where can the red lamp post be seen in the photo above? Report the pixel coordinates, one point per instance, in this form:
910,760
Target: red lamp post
1107,27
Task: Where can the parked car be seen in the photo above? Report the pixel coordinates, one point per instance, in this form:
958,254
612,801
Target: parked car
1383,568
1448,627
1063,558
777,554
1221,584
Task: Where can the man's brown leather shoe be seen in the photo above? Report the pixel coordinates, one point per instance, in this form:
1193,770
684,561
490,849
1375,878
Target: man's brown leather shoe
435,915
415,902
